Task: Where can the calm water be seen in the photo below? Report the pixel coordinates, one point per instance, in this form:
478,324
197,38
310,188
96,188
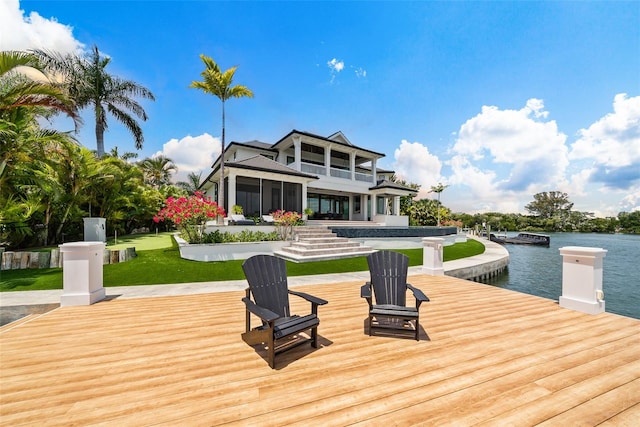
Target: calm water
538,270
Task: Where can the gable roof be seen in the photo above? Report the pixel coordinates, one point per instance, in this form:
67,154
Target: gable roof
337,141
390,185
264,164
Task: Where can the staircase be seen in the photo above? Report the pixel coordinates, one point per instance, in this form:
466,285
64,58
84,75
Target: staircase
314,243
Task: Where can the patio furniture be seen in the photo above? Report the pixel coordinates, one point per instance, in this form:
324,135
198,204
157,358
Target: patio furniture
240,220
280,330
389,284
268,219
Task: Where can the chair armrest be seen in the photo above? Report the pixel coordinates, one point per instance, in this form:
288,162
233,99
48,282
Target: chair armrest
263,313
310,298
420,296
365,291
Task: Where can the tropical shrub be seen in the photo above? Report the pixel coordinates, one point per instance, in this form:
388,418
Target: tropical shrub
190,215
241,237
285,221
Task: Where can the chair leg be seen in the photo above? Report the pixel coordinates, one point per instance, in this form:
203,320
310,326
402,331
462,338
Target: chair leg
271,352
314,337
417,330
370,324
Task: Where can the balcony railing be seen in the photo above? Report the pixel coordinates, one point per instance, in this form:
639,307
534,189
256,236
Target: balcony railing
364,177
336,173
340,173
314,169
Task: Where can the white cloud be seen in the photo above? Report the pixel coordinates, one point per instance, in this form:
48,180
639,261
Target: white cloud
612,144
631,202
20,32
335,65
360,73
191,154
416,165
531,151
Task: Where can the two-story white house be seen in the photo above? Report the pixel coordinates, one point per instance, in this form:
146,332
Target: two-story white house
336,179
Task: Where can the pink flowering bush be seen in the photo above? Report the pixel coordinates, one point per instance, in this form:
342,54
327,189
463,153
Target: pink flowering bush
284,222
190,215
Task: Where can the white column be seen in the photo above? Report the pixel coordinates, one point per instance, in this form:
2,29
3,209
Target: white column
327,160
297,149
582,279
365,206
82,273
374,171
232,191
396,205
352,165
304,196
432,259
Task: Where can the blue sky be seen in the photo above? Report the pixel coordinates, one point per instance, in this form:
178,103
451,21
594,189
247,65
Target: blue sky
499,100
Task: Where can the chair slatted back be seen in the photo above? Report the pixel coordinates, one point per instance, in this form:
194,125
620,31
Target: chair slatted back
267,277
389,277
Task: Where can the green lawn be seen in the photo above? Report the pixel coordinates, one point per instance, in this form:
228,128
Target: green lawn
160,263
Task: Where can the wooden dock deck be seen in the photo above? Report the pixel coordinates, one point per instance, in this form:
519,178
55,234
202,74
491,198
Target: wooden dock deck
487,356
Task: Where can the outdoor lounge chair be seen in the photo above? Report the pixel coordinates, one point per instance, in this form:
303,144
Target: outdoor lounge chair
240,220
267,278
268,219
389,283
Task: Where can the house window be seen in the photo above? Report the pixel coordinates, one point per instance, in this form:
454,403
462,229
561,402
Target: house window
248,195
271,196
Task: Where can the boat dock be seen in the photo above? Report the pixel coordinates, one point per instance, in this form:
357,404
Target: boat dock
486,356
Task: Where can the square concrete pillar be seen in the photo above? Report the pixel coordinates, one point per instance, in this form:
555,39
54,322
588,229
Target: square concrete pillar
432,258
82,273
582,279
95,229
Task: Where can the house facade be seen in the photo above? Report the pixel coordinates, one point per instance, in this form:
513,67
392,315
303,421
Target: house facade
334,178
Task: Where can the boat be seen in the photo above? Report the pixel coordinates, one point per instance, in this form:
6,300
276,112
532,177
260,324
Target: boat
522,239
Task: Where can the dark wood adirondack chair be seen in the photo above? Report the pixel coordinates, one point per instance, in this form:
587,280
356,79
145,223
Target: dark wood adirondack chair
267,277
389,284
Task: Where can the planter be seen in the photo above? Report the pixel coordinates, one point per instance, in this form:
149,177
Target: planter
226,251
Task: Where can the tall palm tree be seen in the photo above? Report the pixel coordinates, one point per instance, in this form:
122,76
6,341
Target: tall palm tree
157,170
89,84
219,83
438,189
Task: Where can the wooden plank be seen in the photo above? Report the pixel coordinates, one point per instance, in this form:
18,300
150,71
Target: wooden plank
488,356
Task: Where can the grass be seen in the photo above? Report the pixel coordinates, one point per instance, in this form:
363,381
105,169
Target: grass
160,264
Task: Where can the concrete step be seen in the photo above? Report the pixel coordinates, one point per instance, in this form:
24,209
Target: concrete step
302,236
333,239
338,246
322,257
318,242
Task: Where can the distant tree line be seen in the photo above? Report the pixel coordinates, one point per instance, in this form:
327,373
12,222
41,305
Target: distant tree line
549,211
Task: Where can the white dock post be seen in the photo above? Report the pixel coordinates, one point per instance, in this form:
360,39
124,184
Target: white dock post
432,260
82,273
582,279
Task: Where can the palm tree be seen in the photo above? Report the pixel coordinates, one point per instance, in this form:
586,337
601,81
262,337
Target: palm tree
438,189
30,87
157,170
89,84
192,183
219,84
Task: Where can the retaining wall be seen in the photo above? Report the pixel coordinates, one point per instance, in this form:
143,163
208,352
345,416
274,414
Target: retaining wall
492,262
53,259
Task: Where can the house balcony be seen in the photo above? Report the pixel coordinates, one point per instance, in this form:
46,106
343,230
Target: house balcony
335,172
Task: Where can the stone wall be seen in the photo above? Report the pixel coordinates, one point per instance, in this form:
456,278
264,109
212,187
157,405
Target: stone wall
11,260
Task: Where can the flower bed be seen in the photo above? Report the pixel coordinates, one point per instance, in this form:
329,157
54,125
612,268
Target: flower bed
226,251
